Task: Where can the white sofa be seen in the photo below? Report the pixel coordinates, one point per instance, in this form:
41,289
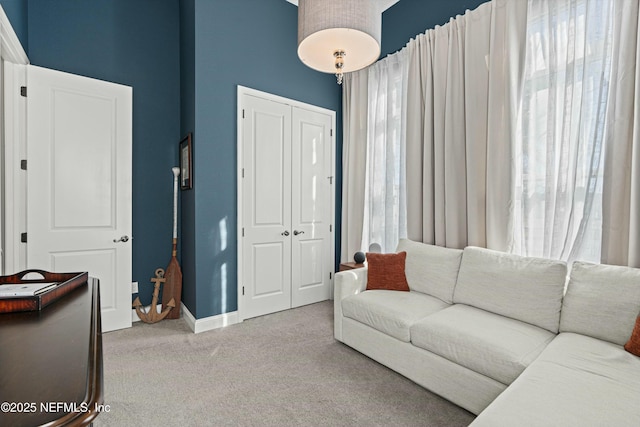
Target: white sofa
496,334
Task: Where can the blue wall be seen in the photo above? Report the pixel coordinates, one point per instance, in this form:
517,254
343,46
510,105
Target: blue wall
251,43
408,18
135,43
16,11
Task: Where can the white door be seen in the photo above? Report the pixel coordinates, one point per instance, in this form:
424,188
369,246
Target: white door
311,165
286,247
266,207
79,136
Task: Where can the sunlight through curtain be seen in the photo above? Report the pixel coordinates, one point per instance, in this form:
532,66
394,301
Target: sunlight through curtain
385,192
560,145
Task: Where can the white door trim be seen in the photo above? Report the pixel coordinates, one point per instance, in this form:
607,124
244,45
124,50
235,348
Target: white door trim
11,49
12,207
14,211
242,90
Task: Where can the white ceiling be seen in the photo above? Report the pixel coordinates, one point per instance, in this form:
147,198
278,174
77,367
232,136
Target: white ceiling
384,4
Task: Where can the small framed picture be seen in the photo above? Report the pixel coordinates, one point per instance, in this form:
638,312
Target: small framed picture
186,168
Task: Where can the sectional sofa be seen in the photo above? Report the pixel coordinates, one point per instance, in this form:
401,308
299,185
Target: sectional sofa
499,335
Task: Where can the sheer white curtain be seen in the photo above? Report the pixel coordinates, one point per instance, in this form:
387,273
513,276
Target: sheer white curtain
373,190
385,191
621,193
560,138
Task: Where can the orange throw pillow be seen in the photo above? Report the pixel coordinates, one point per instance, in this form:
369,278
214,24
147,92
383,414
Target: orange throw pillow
633,345
386,271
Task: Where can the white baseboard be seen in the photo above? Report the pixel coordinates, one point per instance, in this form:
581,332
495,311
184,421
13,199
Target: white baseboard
197,325
209,323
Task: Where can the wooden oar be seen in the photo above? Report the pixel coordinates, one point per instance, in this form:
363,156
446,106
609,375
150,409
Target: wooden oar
173,274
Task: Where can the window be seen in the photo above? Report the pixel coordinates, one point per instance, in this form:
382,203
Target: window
559,148
385,207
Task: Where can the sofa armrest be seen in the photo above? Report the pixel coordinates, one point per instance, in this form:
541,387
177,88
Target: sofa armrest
346,283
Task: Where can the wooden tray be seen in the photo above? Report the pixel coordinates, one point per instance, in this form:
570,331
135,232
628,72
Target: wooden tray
67,282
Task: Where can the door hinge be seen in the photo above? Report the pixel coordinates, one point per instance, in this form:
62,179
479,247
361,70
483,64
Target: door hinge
243,113
23,237
23,165
23,91
243,291
330,180
330,228
331,132
330,275
243,172
242,231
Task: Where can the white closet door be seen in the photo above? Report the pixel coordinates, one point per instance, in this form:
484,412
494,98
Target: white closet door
266,207
311,203
285,203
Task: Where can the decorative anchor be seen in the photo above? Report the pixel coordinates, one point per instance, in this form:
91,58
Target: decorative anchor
153,316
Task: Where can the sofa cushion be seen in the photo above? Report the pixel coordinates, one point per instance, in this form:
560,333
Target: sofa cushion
576,381
431,269
386,271
390,312
523,288
487,343
602,301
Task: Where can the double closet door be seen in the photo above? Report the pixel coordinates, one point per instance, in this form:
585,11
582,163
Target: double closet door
286,193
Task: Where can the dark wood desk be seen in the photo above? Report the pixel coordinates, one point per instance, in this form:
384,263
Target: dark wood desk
51,362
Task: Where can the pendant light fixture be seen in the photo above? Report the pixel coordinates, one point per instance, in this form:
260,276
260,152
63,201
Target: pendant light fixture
339,36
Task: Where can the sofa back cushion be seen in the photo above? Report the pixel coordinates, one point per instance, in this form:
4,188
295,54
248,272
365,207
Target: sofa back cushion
522,288
430,269
602,301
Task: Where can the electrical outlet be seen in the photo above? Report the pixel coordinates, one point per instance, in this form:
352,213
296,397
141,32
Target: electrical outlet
134,287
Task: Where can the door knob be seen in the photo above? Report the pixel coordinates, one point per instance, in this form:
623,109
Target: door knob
285,233
296,232
123,239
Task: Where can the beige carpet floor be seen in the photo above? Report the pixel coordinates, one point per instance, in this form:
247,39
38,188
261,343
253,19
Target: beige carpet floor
284,369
